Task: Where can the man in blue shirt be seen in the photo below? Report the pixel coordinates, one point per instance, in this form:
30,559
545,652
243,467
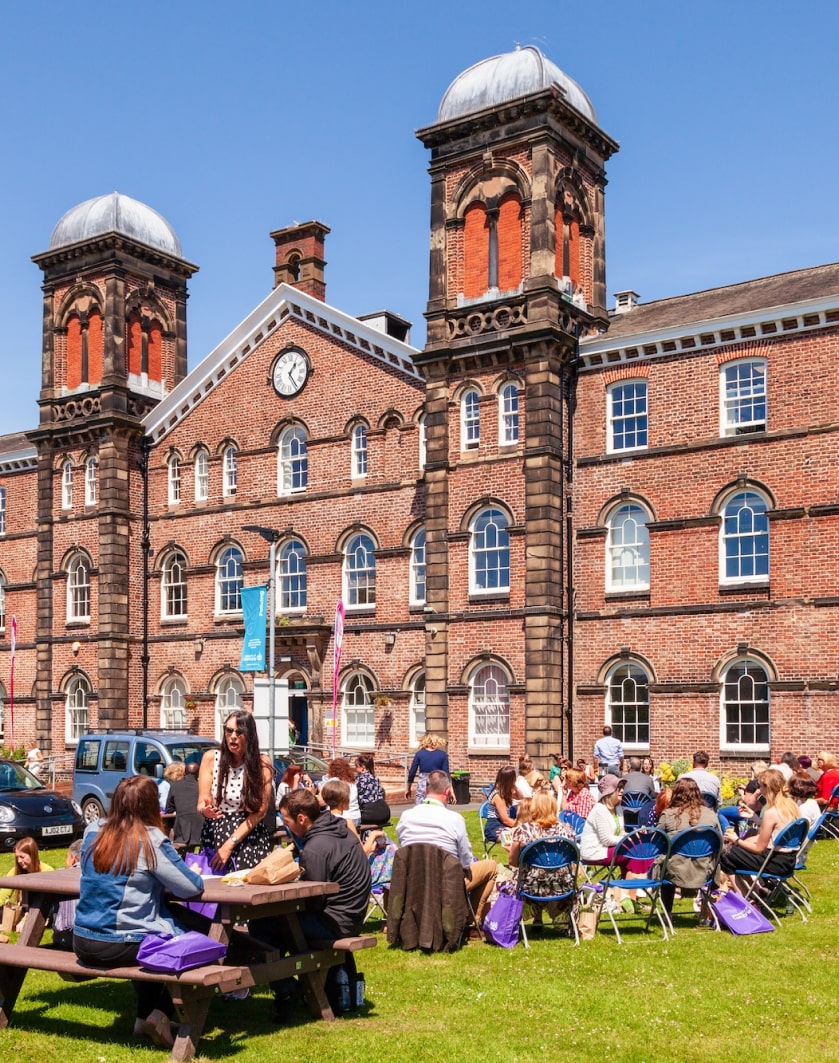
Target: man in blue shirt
608,754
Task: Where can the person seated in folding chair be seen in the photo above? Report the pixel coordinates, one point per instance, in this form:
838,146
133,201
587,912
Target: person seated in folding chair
686,809
541,822
748,854
602,831
575,795
828,779
501,804
432,823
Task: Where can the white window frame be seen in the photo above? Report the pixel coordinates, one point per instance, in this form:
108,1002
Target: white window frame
359,581
67,485
76,709
78,589
174,479
628,548
228,573
230,692
359,451
292,461
292,578
422,441
629,677
173,703
489,516
508,415
174,564
754,705
628,416
729,534
470,419
91,481
743,398
230,481
418,572
202,476
358,712
489,692
416,710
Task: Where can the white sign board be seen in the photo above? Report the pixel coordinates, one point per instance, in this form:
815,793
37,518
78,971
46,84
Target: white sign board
261,712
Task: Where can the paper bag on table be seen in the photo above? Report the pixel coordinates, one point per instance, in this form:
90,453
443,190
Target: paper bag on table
277,867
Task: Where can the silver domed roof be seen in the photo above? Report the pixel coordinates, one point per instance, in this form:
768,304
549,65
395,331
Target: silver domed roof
505,77
116,213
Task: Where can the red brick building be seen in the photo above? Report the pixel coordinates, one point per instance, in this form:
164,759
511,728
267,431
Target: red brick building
551,517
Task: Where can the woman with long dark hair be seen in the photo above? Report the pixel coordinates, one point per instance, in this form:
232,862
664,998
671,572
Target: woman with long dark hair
501,804
234,789
687,808
127,864
372,802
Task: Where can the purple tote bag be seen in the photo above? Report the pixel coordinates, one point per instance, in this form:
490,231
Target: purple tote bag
737,915
501,924
160,952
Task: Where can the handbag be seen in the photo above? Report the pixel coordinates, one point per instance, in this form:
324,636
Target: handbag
501,924
736,914
12,916
276,868
201,863
162,952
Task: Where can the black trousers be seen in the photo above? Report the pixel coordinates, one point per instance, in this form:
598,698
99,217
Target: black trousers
151,996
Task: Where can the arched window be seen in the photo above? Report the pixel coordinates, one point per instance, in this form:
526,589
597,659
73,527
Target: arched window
228,699
508,415
470,420
202,476
229,581
416,716
492,247
489,708
359,572
422,426
67,485
174,480
91,481
489,552
417,581
2,602
744,723
628,549
628,705
358,712
292,461
76,709
744,538
78,588
230,472
173,599
508,245
173,704
291,577
359,451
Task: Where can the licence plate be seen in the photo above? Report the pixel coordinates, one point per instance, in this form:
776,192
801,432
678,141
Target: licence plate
65,828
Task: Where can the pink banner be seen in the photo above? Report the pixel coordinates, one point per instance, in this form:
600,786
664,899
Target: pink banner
12,644
336,666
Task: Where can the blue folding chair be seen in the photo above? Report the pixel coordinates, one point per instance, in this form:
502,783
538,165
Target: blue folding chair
646,845
637,808
791,837
830,817
483,815
574,820
694,843
801,860
551,855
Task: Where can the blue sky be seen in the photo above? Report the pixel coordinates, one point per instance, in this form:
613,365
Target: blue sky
234,120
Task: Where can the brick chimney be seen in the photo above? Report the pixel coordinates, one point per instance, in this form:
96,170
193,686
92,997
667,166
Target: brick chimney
300,260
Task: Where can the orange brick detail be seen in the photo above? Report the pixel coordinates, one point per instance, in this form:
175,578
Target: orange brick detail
475,252
74,353
155,351
135,344
94,347
509,243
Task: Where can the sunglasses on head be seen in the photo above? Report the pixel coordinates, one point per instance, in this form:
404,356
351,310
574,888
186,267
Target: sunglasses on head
234,730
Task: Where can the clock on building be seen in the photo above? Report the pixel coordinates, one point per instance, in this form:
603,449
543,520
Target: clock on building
290,372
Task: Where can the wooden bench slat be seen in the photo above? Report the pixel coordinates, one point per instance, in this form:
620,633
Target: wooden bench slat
352,944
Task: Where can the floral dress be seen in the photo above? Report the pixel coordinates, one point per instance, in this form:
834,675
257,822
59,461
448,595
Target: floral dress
543,883
215,832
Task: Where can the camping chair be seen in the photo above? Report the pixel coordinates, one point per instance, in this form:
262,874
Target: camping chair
486,791
483,815
793,836
428,907
695,843
645,845
636,807
381,873
551,855
574,820
830,817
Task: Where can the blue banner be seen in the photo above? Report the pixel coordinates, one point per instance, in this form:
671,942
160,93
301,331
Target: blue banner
254,601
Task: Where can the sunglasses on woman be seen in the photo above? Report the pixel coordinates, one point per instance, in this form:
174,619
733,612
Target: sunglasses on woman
234,731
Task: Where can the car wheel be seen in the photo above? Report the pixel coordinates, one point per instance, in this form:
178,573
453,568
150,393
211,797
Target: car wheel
92,810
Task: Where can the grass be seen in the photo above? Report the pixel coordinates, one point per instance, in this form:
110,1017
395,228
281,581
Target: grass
699,998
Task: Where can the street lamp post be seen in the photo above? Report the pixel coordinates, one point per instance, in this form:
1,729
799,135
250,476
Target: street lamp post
270,535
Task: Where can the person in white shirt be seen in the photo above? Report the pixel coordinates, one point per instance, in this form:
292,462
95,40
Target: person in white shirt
432,823
707,782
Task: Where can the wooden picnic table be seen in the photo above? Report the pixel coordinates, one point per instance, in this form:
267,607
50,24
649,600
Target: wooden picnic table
249,962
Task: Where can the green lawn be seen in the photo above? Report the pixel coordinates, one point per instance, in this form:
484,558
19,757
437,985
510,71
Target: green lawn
699,998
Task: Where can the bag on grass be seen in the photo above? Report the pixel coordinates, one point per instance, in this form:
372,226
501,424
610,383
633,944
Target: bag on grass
162,952
12,916
736,914
277,867
501,924
201,862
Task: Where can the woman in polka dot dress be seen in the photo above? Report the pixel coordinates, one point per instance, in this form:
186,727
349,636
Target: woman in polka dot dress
234,789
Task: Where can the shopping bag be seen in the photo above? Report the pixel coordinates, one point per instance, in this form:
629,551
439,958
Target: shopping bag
12,916
201,862
501,924
277,867
736,914
162,952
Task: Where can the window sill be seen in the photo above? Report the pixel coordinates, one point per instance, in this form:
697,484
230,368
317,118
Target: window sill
483,597
489,751
174,621
745,586
624,595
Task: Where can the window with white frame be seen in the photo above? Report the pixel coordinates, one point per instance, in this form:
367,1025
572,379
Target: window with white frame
422,428
743,397
173,599
359,451
202,476
292,461
744,538
628,549
489,708
229,581
489,552
291,577
229,464
628,425
76,709
174,480
358,711
744,720
78,588
91,481
229,694
628,705
2,510
173,704
67,485
417,580
2,602
416,712
508,415
470,420
359,572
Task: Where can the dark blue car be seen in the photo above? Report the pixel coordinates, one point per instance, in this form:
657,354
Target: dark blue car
28,809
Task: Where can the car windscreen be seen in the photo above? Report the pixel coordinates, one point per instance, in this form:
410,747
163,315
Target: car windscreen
14,777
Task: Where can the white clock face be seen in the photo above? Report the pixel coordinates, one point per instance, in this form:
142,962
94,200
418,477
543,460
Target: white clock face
290,372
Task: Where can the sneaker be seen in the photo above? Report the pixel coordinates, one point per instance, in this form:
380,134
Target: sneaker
611,906
237,994
157,1028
